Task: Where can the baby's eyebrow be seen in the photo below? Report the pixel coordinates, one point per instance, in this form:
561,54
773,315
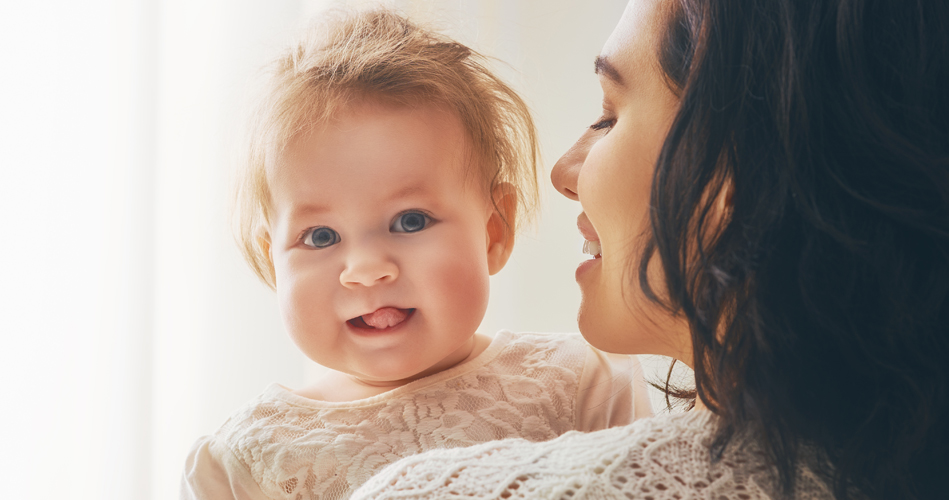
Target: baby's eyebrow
309,209
406,191
306,209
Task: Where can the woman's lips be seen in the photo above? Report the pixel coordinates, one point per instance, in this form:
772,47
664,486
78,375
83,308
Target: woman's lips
382,318
585,267
591,243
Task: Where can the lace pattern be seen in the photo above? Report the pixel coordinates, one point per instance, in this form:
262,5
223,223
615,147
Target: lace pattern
660,458
302,449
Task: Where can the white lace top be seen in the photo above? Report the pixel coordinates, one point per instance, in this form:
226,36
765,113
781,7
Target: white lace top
660,458
532,386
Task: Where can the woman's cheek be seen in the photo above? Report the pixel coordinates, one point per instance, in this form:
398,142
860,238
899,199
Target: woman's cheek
597,179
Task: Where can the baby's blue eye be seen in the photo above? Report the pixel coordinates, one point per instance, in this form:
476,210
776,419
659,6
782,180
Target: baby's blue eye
321,237
410,222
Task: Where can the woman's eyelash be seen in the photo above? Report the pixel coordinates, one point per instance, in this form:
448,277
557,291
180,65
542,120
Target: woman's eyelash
603,124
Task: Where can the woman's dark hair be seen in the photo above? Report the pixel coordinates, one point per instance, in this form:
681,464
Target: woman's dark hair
819,305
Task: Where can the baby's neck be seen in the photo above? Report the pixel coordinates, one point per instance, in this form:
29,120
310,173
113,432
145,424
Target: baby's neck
335,386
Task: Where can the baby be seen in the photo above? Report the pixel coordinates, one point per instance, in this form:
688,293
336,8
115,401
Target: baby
387,172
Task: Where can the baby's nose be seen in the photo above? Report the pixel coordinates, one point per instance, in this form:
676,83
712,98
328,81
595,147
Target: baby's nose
368,268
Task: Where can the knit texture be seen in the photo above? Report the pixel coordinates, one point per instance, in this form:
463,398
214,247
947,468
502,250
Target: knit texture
522,385
659,458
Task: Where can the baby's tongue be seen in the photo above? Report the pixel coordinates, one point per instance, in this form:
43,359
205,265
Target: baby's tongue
384,317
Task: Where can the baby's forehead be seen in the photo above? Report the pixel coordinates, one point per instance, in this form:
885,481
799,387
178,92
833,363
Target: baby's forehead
376,120
389,148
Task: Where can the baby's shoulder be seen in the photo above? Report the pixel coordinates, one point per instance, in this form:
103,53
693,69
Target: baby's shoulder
273,408
279,435
546,340
538,349
553,363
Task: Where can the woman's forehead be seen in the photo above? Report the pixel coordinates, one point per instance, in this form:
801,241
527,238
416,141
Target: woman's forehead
633,42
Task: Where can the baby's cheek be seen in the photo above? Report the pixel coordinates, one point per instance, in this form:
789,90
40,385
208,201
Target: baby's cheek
303,304
463,286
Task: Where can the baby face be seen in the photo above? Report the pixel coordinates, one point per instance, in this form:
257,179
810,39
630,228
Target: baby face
380,243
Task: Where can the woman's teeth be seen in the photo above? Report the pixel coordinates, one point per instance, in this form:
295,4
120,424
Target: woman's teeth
592,248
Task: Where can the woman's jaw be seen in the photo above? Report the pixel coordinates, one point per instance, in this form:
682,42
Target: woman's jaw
615,314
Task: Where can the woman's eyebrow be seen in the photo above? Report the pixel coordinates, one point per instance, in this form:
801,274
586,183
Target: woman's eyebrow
602,66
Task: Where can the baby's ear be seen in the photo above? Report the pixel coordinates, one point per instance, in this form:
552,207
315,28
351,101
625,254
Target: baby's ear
501,226
266,267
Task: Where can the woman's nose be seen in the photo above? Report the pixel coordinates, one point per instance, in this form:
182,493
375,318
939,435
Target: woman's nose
368,268
567,169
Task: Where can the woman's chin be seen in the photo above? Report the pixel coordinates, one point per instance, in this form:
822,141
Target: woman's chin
607,325
590,322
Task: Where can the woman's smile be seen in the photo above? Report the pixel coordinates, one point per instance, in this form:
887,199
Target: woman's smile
591,242
591,245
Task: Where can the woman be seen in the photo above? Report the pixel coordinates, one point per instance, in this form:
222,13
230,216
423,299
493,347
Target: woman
767,196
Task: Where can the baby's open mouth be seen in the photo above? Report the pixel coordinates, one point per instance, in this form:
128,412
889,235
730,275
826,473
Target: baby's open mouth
382,318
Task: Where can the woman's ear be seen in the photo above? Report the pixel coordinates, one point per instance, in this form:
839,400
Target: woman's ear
728,193
722,206
725,201
501,226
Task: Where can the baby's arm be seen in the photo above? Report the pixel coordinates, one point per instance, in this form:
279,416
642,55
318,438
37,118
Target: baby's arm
213,473
612,391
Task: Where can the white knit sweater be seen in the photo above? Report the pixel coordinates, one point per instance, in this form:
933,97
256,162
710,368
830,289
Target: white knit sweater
661,458
533,386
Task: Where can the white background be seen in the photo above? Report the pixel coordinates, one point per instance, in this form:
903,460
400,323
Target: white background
130,326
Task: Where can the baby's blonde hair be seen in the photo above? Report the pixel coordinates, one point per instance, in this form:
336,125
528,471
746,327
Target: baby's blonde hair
381,55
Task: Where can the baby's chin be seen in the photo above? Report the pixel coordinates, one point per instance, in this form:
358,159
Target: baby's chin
392,373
